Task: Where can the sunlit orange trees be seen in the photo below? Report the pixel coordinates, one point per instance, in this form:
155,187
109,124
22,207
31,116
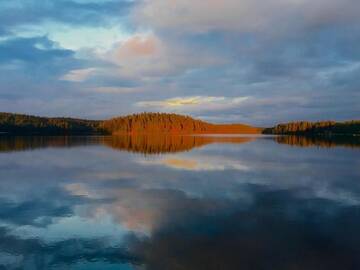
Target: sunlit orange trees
169,123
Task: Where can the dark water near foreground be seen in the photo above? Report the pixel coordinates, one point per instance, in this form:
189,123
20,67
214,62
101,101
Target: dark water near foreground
178,203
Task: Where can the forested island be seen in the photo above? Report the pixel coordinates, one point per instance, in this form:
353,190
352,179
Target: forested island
171,123
166,123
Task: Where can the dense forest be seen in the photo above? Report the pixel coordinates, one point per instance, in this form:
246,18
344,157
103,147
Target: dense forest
170,123
316,128
20,124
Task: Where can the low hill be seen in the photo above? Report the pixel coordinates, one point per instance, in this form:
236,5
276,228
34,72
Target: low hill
171,123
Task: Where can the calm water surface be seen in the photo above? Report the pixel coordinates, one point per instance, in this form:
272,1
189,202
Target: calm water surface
178,203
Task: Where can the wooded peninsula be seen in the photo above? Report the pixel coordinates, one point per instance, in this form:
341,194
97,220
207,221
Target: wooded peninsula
151,123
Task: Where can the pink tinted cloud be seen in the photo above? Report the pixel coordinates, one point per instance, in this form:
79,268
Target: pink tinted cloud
137,46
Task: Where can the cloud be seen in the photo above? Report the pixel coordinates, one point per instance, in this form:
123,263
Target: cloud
245,15
139,46
32,65
18,13
146,55
154,50
33,50
192,103
117,90
78,75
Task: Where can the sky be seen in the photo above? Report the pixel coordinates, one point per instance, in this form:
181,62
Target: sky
251,61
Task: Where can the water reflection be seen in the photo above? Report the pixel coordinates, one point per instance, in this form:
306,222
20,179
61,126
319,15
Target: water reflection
158,144
320,141
146,144
230,205
276,231
18,143
19,253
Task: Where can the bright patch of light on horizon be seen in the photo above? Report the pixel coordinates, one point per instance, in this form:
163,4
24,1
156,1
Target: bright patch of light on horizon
193,100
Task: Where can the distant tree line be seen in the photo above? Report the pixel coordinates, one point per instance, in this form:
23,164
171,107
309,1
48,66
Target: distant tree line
316,128
19,124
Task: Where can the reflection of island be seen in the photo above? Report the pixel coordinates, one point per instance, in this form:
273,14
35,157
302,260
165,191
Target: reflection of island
319,141
146,144
157,144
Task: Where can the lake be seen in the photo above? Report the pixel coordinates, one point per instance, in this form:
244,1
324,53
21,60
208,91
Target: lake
179,202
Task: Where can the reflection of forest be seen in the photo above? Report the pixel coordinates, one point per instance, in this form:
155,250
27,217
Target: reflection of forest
156,144
320,141
146,144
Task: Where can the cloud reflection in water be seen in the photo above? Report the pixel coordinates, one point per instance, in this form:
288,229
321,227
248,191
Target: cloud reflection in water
255,205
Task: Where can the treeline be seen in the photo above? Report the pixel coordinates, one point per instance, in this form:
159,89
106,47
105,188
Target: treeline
316,128
169,123
150,123
20,124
